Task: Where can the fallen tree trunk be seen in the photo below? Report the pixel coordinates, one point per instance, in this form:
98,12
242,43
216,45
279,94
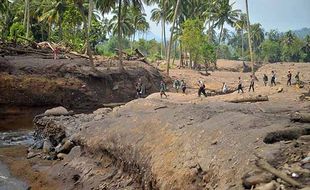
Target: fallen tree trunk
19,50
250,99
267,167
139,53
113,105
301,117
78,54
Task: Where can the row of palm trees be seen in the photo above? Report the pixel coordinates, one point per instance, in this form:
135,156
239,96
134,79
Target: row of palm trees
129,17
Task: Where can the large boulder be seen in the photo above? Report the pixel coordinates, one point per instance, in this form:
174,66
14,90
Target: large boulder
57,111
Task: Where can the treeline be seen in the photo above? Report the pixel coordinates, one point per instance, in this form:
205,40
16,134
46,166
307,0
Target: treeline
197,31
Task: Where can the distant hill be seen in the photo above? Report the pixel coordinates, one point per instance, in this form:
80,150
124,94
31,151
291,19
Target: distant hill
301,33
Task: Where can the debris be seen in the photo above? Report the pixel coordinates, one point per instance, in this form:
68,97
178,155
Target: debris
258,98
266,166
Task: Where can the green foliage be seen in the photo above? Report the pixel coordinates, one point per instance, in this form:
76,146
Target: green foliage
17,29
193,38
271,51
224,52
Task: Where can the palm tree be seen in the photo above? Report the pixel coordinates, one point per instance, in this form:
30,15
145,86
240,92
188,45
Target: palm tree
139,21
249,36
27,17
90,13
158,15
258,35
171,35
54,11
225,14
240,25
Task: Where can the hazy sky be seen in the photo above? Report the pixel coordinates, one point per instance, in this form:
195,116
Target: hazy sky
282,15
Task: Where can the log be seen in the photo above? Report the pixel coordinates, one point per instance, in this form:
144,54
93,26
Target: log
301,117
113,105
267,167
78,54
139,53
250,99
19,50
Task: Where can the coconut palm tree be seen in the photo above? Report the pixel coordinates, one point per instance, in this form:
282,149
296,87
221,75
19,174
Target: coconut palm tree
158,15
176,8
54,12
240,25
249,36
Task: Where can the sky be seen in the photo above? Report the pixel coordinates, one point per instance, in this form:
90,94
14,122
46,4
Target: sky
282,15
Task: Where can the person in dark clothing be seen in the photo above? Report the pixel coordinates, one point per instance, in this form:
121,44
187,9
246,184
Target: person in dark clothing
202,89
252,83
297,78
162,89
183,86
273,78
240,85
139,88
289,78
265,79
176,85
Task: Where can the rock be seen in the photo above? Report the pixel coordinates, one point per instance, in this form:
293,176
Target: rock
32,155
304,138
58,147
280,89
57,111
305,160
268,186
47,146
102,111
98,117
38,144
256,177
214,142
66,147
61,156
306,166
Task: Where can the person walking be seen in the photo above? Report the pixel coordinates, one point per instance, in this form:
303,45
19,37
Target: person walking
139,88
162,89
289,78
252,83
224,88
240,85
176,85
183,86
273,78
202,89
265,79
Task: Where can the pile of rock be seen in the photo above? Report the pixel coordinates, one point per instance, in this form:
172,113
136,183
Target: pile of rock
55,129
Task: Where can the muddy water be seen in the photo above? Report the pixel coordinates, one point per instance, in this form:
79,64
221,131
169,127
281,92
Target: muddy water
15,129
16,125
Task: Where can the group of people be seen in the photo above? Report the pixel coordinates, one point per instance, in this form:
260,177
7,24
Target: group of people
177,84
265,80
180,84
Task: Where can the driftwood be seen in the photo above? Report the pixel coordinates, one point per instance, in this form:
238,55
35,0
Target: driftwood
78,54
250,99
301,117
113,105
267,167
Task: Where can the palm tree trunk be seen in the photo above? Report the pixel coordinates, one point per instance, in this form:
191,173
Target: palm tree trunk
28,19
164,27
120,56
249,36
242,44
162,37
60,26
181,54
89,52
171,35
218,48
25,14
